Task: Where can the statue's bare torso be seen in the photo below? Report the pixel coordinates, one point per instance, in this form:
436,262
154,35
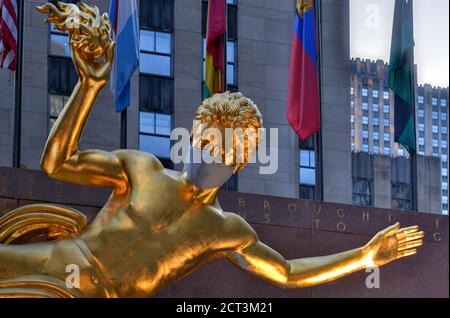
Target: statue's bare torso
175,232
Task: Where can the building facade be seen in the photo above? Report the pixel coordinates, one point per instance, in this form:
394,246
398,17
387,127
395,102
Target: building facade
372,120
168,88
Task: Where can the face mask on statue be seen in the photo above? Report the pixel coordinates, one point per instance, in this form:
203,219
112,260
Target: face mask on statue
206,175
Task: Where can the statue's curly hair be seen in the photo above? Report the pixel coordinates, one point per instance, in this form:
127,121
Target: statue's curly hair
89,31
230,110
235,111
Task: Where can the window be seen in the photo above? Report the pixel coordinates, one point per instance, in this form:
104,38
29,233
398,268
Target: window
444,144
444,172
435,115
57,103
154,134
375,93
421,141
401,196
444,130
376,121
365,92
307,167
376,108
62,76
444,116
421,99
435,129
352,118
353,146
421,113
386,95
376,149
387,151
365,147
387,122
376,136
444,185
156,86
434,101
352,132
365,106
365,134
435,143
59,42
401,152
443,103
352,104
444,158
155,55
352,91
421,127
156,15
435,152
386,109
307,171
365,120
362,192
387,137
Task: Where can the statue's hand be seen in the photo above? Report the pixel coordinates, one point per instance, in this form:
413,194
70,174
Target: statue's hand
391,244
93,72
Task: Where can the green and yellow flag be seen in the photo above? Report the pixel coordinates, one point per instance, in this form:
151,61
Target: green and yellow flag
215,64
401,71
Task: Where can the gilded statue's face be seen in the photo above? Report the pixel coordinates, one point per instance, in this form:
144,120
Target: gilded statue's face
235,147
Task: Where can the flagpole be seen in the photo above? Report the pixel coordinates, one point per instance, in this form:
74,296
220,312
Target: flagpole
123,128
413,163
318,136
18,86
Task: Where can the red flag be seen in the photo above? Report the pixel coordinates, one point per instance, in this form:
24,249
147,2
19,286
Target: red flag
8,34
303,105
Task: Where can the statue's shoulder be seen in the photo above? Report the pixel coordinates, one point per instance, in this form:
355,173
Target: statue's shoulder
136,159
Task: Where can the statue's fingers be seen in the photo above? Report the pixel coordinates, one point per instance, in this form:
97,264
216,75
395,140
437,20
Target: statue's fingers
110,52
87,9
410,237
86,28
410,245
47,8
408,230
406,253
392,229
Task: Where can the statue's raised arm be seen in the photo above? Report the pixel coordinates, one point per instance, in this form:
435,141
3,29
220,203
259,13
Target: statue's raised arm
92,55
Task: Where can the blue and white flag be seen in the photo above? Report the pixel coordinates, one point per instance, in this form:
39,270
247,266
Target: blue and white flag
123,15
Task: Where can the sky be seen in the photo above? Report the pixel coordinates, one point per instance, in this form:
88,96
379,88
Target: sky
371,30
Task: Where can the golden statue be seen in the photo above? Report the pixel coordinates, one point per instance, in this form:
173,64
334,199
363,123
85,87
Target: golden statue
157,226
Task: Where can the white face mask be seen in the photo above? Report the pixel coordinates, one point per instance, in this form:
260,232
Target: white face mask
206,175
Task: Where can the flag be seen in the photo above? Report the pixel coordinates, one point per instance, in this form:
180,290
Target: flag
303,104
401,68
123,16
8,34
215,64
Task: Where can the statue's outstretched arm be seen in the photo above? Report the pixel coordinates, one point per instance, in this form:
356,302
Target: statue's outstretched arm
62,159
388,245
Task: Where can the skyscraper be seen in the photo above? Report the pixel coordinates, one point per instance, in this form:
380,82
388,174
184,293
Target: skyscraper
372,118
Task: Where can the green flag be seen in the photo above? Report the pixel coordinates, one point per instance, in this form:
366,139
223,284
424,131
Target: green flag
401,68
